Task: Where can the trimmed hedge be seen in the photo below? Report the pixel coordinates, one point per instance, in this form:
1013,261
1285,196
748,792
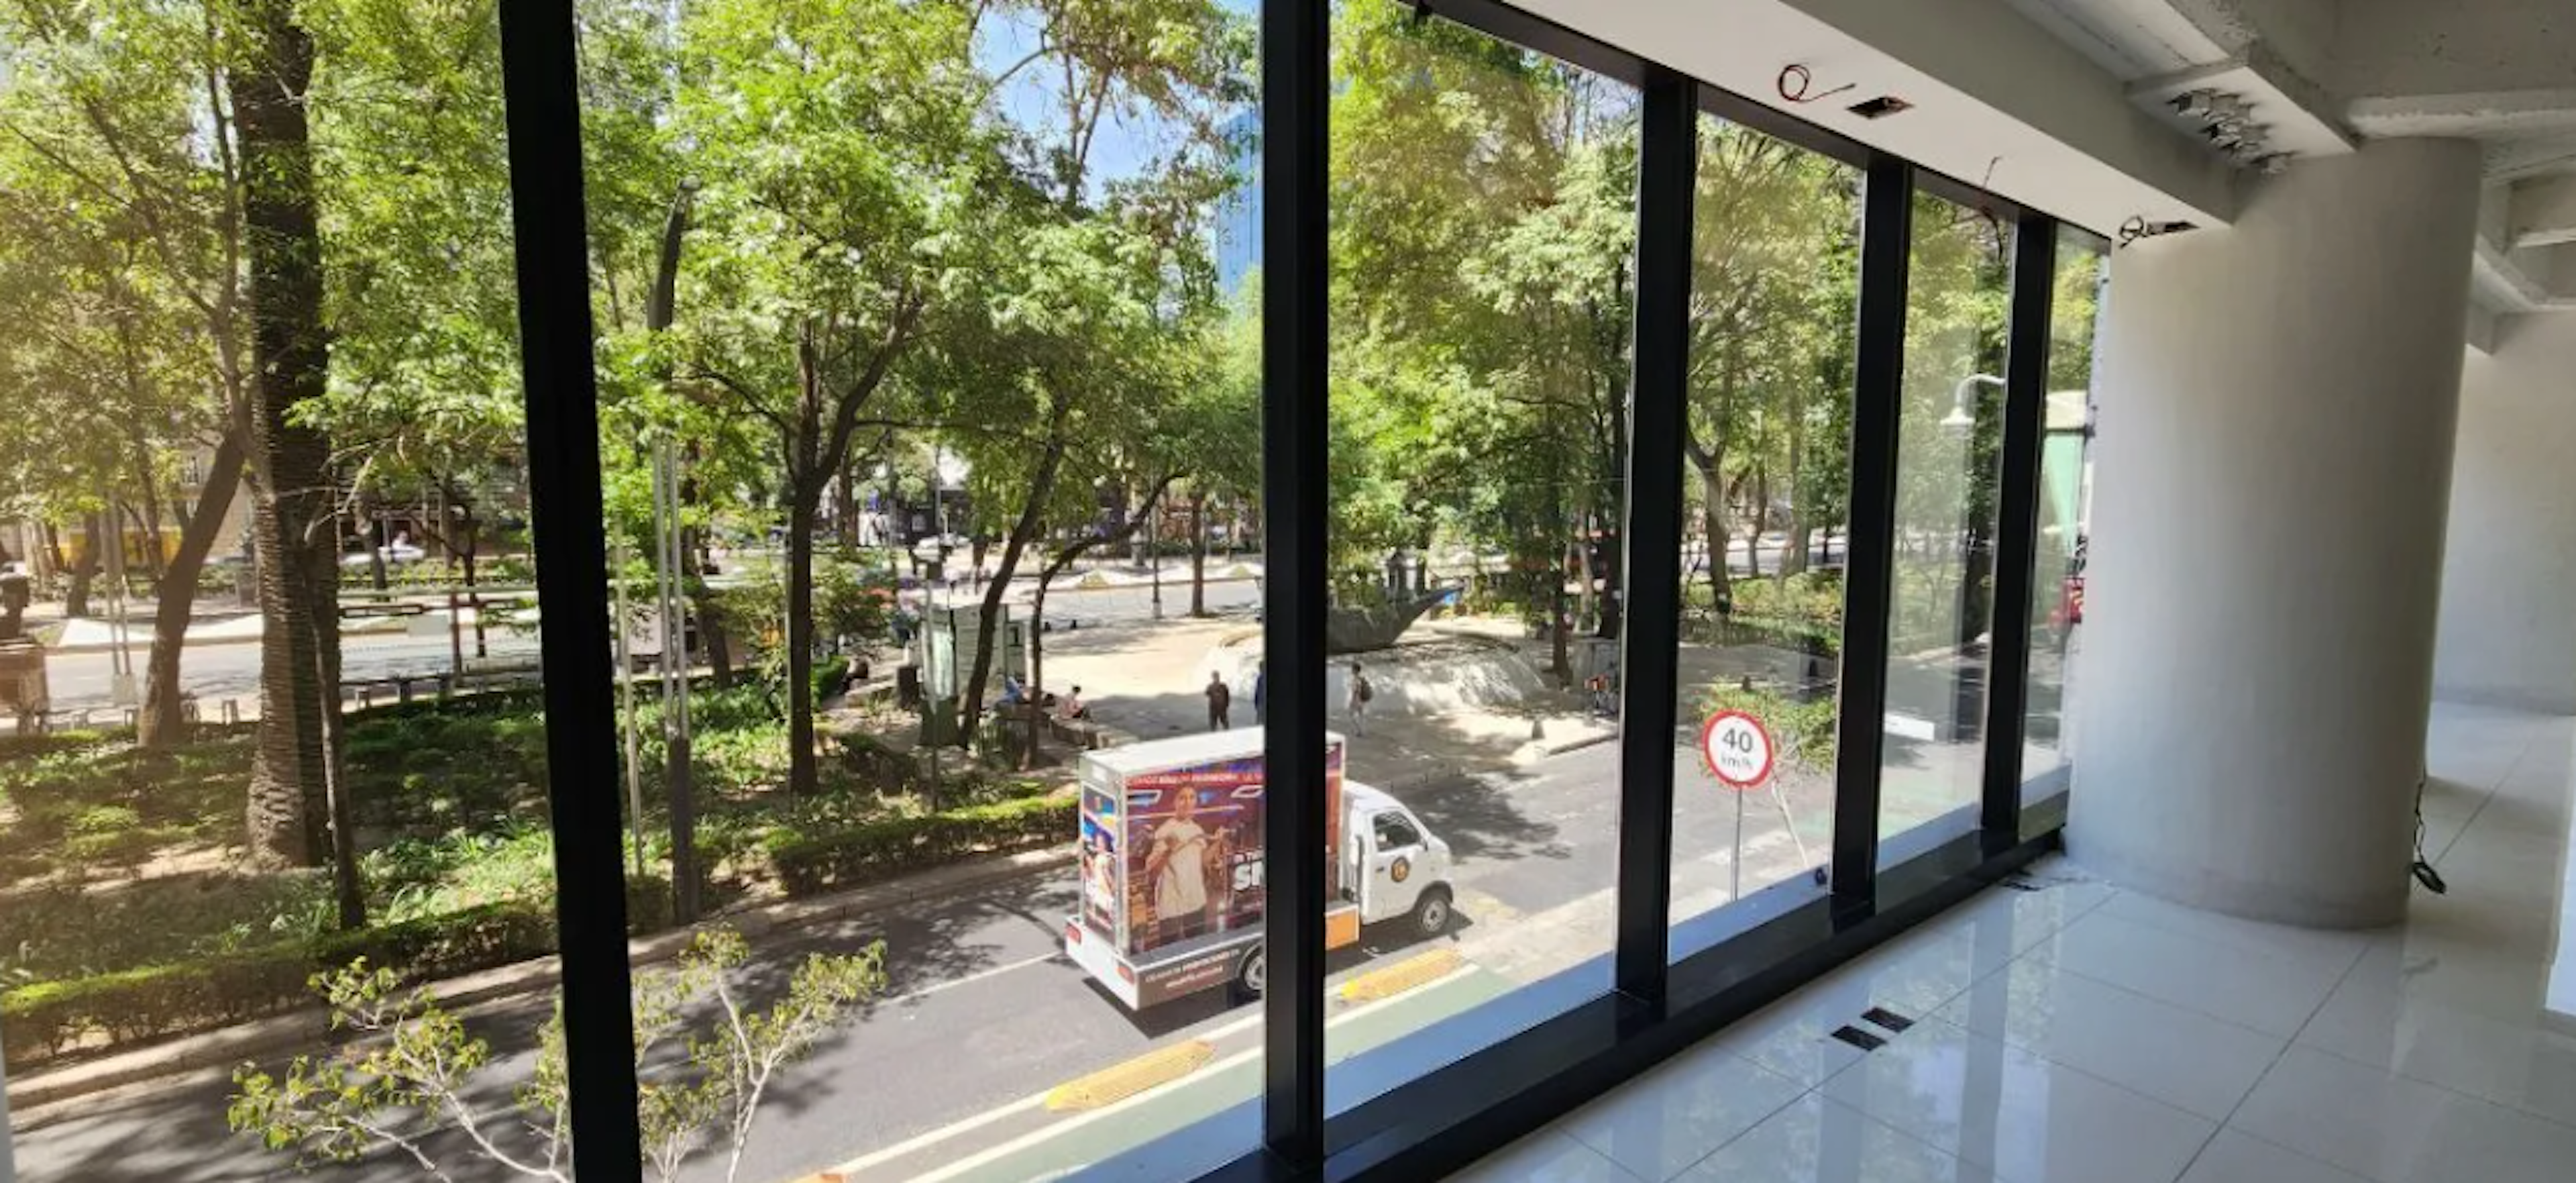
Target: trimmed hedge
48,1021
877,850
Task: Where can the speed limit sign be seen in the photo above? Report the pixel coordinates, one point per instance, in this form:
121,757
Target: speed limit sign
1737,749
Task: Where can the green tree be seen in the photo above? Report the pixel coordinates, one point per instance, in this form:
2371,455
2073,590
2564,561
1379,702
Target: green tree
412,181
121,238
1765,214
1101,274
841,170
1484,222
418,1069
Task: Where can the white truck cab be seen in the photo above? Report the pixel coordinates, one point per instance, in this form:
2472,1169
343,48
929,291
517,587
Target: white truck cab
1398,866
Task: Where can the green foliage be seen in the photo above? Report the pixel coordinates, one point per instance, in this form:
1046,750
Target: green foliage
63,931
87,804
808,865
1804,728
417,1072
47,1019
424,878
829,675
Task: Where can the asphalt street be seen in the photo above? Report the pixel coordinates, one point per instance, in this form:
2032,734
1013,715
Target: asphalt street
215,672
983,1010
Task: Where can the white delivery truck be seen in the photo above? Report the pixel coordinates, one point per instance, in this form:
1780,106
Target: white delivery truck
1173,892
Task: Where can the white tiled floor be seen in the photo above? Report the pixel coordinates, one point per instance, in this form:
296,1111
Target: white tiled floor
2078,1034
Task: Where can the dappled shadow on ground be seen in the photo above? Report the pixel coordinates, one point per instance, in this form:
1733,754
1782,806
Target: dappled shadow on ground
1480,820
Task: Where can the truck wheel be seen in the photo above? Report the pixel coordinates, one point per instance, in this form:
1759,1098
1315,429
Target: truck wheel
1252,977
1431,913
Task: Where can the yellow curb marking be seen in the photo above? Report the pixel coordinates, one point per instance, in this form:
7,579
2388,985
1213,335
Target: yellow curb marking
1404,975
1111,1085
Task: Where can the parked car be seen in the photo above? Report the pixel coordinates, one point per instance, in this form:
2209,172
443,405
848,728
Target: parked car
395,555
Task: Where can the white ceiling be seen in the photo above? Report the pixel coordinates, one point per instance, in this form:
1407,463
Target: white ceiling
2061,104
1997,101
2501,72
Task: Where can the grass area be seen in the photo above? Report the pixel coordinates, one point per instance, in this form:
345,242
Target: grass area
121,866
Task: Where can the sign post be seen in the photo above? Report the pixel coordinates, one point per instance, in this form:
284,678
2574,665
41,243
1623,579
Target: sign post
1738,751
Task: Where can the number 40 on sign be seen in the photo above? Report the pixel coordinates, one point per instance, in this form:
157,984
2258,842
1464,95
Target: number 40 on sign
1737,748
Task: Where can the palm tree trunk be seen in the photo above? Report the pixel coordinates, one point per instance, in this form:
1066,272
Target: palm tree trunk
298,576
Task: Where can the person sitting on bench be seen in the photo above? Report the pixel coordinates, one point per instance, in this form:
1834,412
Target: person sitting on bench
1070,707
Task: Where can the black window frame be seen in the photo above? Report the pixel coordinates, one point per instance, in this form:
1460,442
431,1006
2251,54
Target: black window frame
1658,1005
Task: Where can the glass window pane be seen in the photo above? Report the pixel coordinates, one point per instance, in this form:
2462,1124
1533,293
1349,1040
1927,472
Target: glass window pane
2065,502
1949,436
1483,240
952,421
272,707
1767,480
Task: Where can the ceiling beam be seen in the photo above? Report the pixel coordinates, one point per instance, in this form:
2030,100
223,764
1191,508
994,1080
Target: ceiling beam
2542,212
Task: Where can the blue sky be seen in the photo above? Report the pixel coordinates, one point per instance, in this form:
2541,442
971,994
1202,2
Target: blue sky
1122,147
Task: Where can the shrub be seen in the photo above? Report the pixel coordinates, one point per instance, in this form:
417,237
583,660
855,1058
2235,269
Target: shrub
64,931
829,676
416,878
42,1021
876,850
1803,730
45,1020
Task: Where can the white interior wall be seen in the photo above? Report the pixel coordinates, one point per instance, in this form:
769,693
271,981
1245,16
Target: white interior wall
2508,621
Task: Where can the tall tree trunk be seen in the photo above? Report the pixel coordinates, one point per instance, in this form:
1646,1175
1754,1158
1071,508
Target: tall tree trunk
159,726
1198,556
1761,518
148,521
846,523
93,547
1560,659
1582,573
298,592
53,544
803,779
1721,579
1041,488
1793,559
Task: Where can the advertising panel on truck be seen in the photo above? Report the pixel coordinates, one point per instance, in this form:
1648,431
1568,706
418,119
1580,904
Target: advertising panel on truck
1193,860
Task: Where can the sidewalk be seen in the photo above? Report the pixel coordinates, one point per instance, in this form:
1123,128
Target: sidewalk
85,634
1147,680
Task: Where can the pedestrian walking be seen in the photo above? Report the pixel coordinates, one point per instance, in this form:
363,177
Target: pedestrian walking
1356,699
1220,703
1261,695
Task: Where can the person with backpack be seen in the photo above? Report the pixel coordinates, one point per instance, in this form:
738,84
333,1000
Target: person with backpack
1357,700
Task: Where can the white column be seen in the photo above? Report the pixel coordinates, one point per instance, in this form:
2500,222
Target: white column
2277,405
2508,637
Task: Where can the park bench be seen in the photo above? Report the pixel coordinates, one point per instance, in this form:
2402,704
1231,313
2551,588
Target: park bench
484,672
364,690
